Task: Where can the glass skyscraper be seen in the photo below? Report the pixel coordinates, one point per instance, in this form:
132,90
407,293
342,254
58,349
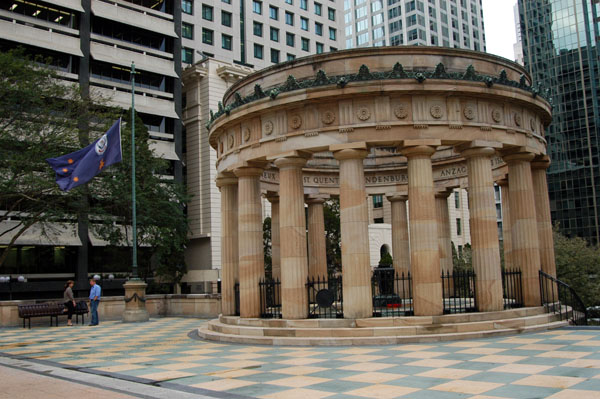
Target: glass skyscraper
560,50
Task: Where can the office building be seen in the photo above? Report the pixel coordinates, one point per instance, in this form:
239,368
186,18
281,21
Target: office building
560,49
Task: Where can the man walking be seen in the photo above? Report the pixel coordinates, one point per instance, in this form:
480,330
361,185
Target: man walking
94,301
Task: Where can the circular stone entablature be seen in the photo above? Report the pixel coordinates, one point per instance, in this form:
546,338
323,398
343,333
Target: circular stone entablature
384,98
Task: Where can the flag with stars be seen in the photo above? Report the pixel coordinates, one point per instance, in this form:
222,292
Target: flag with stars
81,166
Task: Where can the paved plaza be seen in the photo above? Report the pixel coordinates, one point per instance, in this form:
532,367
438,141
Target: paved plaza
166,354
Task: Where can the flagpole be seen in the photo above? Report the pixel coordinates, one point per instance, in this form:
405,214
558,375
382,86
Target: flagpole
134,266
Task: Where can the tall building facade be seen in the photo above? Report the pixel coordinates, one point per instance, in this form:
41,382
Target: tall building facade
560,49
447,23
92,43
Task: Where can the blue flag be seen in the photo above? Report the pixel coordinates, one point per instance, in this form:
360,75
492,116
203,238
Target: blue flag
81,166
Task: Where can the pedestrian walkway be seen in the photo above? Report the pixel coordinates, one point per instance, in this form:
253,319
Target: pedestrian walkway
559,364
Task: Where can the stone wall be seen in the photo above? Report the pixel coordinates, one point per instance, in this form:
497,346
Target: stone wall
111,308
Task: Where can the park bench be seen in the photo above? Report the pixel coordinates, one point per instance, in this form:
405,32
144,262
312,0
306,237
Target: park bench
52,310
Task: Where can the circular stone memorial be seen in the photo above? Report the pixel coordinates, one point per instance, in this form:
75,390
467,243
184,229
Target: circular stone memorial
410,123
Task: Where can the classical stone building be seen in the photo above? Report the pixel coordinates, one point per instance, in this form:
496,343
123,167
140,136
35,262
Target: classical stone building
315,128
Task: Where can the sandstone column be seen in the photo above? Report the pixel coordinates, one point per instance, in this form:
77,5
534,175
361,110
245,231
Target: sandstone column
354,224
444,232
292,222
542,211
484,229
400,244
275,252
424,251
250,239
317,252
506,225
229,241
524,234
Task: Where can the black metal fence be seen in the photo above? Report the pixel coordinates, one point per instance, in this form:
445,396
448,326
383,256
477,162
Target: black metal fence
270,299
392,293
236,293
512,288
559,298
458,291
325,299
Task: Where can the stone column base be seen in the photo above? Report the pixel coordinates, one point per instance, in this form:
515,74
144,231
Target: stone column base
135,302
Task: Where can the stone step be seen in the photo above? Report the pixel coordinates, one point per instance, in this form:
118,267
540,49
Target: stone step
370,331
206,333
384,321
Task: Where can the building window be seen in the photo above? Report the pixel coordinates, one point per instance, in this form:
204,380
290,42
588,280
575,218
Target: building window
257,7
378,220
378,201
207,36
332,34
187,31
303,23
319,29
305,44
274,56
304,4
318,8
332,48
273,12
319,48
226,1
291,57
458,227
275,34
207,12
187,55
289,39
226,42
258,29
460,251
291,2
289,18
187,6
226,18
258,51
457,199
331,14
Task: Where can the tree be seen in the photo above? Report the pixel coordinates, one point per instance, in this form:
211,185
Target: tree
161,220
39,118
333,236
386,260
578,264
462,261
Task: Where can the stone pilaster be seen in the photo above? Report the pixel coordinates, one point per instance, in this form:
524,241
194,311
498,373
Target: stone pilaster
354,224
444,232
542,211
400,242
424,251
250,240
229,241
317,252
506,225
275,241
484,229
292,222
524,234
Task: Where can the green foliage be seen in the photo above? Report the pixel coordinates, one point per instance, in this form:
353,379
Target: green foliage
161,221
267,247
333,236
462,261
386,260
578,264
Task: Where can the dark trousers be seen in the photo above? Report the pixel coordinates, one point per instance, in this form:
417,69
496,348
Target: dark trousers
94,310
70,309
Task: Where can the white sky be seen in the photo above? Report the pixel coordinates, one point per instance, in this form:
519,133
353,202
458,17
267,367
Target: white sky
499,22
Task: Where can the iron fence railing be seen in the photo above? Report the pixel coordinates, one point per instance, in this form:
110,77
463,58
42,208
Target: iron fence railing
270,299
392,293
559,298
325,298
236,293
512,288
458,291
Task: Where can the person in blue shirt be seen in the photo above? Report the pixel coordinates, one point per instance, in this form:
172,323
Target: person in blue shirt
94,301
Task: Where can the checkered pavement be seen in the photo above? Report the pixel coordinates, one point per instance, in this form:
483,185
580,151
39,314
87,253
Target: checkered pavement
559,364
